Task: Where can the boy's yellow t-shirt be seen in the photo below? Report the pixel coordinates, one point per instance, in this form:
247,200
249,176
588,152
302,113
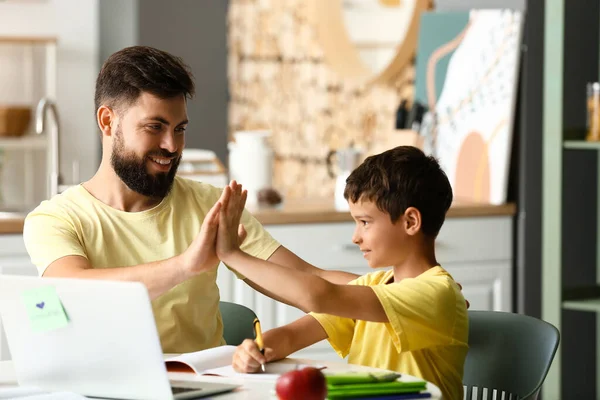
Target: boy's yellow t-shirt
76,223
426,336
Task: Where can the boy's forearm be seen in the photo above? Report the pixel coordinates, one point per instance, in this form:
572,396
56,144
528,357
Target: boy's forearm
301,289
278,340
337,277
293,337
286,258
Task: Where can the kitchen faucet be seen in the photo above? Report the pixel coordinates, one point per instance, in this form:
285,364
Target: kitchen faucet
44,106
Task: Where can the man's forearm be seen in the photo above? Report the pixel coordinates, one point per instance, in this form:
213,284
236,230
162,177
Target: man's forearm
157,276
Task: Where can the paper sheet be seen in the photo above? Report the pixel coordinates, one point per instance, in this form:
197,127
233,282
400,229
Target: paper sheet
272,371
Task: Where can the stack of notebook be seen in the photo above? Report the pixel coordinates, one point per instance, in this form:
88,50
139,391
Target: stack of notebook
376,386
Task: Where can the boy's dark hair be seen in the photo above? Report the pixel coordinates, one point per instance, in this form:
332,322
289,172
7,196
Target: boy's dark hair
400,178
133,70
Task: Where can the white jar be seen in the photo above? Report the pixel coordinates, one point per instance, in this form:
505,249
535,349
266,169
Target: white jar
251,162
340,202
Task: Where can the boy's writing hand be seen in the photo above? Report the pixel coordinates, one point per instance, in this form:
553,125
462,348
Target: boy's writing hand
230,232
248,359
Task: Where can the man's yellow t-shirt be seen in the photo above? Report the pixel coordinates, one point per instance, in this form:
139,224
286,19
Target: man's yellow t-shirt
76,223
426,336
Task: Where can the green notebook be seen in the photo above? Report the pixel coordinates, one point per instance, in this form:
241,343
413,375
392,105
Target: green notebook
349,385
360,377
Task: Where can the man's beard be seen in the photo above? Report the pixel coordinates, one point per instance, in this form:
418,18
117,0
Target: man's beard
133,170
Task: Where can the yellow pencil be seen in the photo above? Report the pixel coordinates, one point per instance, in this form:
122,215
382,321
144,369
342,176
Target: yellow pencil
259,340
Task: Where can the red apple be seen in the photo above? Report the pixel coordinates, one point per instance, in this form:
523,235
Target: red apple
302,384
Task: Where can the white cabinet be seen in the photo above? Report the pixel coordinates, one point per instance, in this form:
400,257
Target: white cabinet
477,251
486,285
14,260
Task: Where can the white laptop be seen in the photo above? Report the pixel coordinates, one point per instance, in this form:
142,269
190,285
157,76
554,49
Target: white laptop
105,344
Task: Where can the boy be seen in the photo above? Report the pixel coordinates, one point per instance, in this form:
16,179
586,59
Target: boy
412,319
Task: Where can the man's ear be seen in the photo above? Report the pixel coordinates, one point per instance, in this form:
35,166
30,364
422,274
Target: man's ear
106,117
412,220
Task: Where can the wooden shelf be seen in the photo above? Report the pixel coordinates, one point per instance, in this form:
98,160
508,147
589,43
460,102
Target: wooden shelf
27,40
23,142
581,144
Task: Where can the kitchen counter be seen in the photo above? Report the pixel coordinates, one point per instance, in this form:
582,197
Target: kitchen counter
319,211
11,224
312,211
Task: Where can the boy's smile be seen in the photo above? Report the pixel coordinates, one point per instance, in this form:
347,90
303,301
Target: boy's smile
378,238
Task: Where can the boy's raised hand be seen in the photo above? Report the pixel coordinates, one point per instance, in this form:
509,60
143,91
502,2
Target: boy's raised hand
230,232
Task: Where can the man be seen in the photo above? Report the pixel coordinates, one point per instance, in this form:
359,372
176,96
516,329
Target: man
135,220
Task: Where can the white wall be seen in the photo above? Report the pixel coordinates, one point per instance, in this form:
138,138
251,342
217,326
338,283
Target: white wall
75,24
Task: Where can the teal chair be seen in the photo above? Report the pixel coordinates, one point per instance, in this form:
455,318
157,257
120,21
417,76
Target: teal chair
237,322
507,352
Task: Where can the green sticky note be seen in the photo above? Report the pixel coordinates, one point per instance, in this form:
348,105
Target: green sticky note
44,309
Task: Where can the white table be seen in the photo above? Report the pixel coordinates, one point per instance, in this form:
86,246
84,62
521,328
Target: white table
250,389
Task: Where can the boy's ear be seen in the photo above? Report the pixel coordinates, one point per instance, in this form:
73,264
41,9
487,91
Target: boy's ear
412,221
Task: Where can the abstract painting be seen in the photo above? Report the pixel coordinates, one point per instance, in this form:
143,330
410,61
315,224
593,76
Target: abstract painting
467,78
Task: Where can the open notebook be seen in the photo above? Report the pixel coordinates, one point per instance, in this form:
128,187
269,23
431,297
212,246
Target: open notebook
217,361
352,384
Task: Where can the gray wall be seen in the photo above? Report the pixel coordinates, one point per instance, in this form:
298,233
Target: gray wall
195,30
118,26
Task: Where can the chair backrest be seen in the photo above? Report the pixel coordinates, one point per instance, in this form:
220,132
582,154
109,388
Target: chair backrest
237,322
507,352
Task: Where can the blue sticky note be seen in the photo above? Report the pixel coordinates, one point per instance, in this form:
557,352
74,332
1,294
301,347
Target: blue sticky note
44,309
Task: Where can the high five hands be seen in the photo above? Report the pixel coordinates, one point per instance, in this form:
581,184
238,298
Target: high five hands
221,232
231,233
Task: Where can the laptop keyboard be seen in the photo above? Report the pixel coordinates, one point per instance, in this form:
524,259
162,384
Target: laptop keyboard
177,390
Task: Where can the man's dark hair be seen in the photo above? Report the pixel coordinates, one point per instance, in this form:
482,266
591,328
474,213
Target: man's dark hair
133,70
400,178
